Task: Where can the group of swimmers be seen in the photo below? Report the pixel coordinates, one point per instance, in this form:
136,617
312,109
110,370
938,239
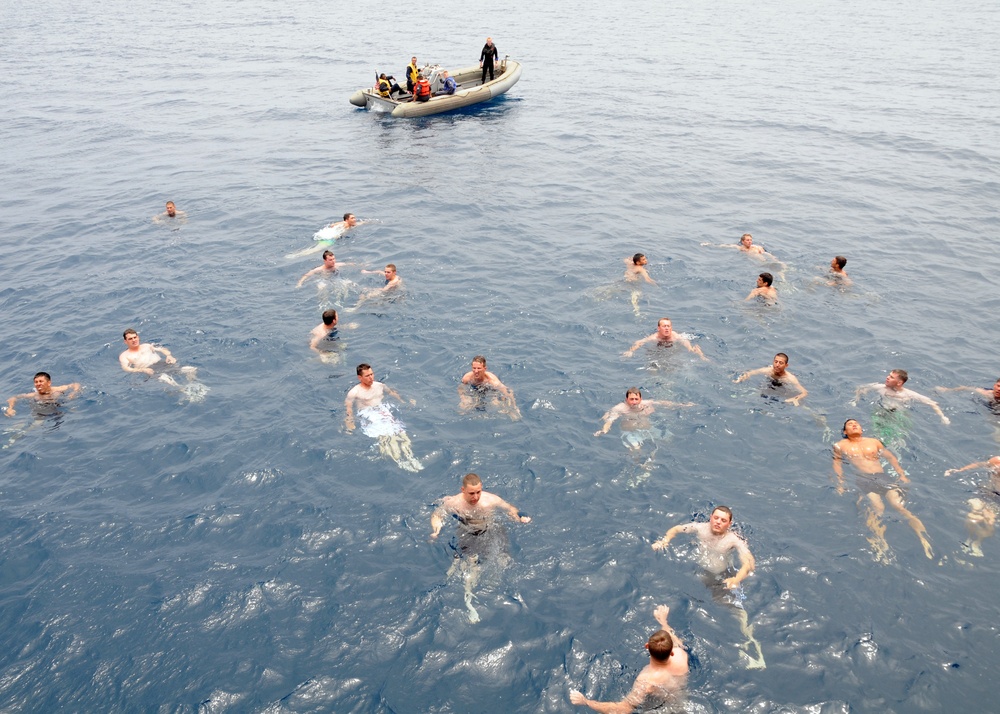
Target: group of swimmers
474,509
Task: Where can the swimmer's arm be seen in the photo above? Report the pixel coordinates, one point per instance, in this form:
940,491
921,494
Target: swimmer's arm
349,412
756,292
751,373
862,390
802,390
437,520
721,245
692,348
314,342
665,540
933,405
308,275
609,419
646,277
977,390
515,515
894,462
394,393
374,272
625,706
13,400
968,467
668,403
747,564
168,358
838,467
630,351
73,389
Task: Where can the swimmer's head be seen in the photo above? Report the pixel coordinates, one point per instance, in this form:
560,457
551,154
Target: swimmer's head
781,360
330,319
171,209
638,259
839,262
664,327
660,645
765,280
365,375
633,396
362,367
996,389
327,254
896,378
720,520
131,337
478,367
390,271
852,426
42,381
350,220
747,240
472,489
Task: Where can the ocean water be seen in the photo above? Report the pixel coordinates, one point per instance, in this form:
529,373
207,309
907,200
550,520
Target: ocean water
242,553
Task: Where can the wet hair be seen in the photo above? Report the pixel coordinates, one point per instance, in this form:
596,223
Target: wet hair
327,253
843,429
391,265
745,235
128,332
901,373
328,317
347,215
471,479
841,261
362,367
43,374
782,354
171,203
725,509
633,390
480,359
660,645
767,278
637,257
662,319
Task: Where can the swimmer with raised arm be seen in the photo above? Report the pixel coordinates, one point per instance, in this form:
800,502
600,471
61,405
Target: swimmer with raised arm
477,382
981,518
660,683
864,453
665,337
716,546
393,283
779,377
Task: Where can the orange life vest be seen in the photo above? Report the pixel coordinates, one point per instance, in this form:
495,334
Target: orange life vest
422,89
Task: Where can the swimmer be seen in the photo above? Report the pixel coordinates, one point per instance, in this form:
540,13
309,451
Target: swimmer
325,334
864,453
636,268
634,413
393,283
895,396
474,509
764,289
480,380
349,222
377,419
665,337
329,268
716,546
838,276
746,245
982,515
779,377
171,214
44,393
660,683
142,358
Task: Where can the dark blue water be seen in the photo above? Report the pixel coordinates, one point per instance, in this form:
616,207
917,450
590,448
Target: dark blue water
244,553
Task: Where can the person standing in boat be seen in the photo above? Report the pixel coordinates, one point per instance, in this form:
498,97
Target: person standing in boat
411,74
487,56
422,89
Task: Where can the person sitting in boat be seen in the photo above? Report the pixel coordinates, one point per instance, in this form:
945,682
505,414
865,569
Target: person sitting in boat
387,85
448,84
422,89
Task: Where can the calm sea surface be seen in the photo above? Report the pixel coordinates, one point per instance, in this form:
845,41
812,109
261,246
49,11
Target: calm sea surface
244,554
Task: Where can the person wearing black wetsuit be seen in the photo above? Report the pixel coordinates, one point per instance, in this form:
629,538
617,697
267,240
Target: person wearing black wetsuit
487,56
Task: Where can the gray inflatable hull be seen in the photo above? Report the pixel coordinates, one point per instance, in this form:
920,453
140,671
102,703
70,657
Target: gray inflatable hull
469,92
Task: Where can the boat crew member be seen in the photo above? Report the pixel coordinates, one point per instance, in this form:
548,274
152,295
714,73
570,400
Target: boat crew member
448,86
421,90
387,85
411,74
487,56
